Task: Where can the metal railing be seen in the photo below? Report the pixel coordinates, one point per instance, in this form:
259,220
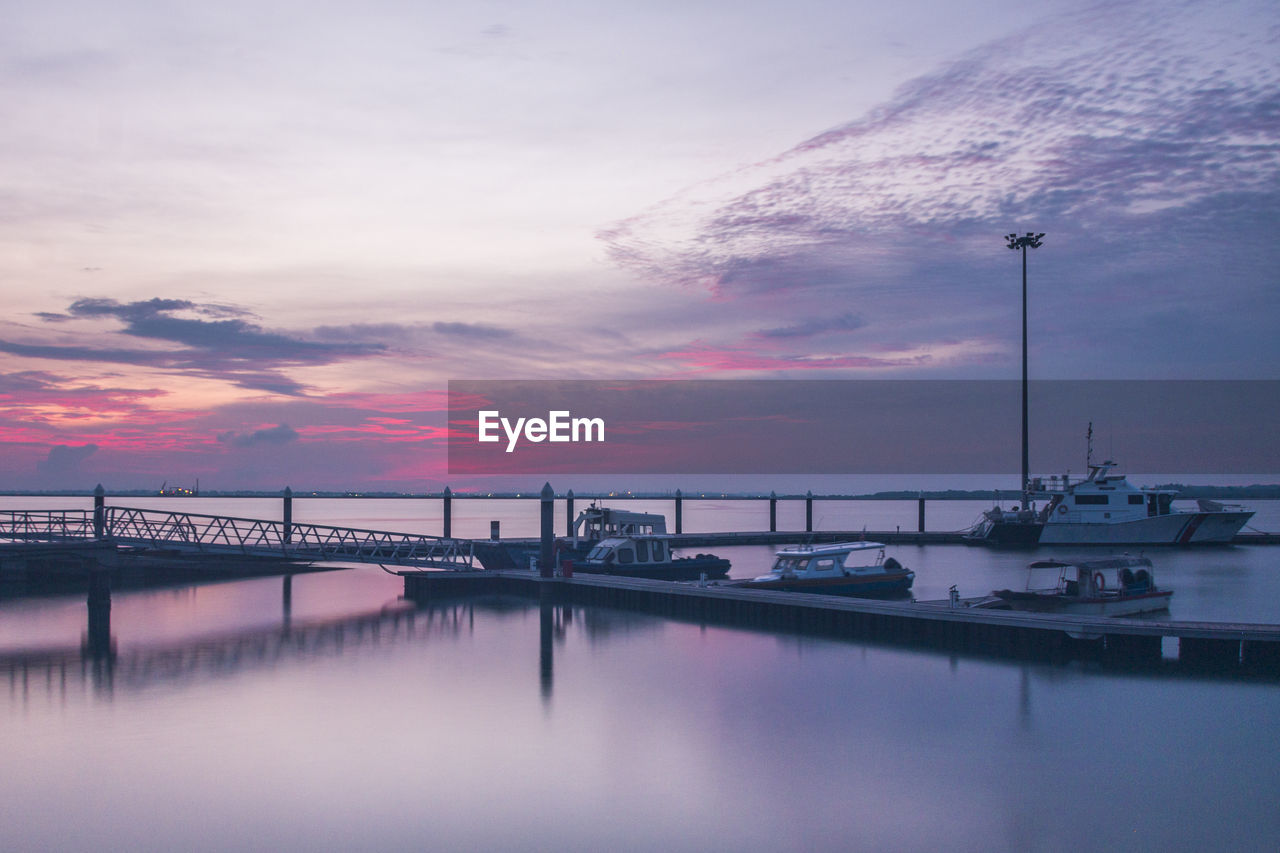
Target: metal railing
46,525
250,537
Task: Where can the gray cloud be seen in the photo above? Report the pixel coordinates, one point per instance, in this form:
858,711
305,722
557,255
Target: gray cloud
280,434
215,342
1146,148
1069,125
815,326
65,459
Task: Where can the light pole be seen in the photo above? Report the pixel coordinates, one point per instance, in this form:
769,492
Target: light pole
1030,241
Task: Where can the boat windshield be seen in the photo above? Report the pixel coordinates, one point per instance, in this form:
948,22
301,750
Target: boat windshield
790,565
597,553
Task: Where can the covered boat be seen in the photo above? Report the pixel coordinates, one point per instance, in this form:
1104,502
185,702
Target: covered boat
1108,586
648,557
845,568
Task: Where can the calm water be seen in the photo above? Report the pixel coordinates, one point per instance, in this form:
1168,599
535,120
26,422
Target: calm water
237,716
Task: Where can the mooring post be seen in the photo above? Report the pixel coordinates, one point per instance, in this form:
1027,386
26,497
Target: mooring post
288,515
99,512
679,511
568,513
773,512
546,559
494,528
447,501
920,512
808,512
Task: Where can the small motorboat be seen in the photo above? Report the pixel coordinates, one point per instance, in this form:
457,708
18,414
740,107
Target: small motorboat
1083,587
648,557
835,570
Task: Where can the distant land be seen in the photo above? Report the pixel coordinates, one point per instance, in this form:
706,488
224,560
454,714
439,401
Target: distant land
1252,492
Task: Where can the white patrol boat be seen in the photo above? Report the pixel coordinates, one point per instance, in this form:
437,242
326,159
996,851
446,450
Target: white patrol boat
1105,509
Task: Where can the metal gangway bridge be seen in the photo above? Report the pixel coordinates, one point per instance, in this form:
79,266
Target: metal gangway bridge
217,535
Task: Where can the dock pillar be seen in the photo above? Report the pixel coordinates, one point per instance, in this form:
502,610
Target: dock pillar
679,511
99,512
568,513
447,502
287,535
808,512
546,557
920,513
773,512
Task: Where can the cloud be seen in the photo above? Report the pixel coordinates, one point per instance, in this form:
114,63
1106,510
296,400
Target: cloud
155,318
1100,135
213,341
815,326
65,459
280,434
470,330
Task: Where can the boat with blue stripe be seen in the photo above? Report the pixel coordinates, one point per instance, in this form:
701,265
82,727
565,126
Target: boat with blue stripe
842,568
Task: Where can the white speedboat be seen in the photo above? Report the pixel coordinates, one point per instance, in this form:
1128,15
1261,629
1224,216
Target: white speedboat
835,570
1106,509
1110,586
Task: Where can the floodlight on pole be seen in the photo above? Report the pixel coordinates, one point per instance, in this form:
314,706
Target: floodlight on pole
1029,241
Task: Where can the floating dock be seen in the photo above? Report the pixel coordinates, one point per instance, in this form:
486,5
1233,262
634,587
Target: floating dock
1220,648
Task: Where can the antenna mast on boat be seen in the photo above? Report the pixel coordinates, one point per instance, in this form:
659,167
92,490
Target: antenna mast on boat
1015,242
1088,454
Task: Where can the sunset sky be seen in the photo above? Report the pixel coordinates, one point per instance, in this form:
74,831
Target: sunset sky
251,242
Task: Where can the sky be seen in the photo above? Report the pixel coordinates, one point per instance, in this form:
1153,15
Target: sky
251,243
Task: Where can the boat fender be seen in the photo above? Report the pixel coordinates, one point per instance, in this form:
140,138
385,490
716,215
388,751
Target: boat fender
1099,582
1062,509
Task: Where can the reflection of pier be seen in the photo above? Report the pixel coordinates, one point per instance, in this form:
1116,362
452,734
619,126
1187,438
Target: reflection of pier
1221,648
98,663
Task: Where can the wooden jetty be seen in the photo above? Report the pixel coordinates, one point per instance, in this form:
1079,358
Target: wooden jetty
1224,648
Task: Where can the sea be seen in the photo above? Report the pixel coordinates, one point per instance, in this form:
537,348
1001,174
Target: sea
322,712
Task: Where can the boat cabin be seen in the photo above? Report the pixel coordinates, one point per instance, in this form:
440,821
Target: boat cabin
1104,498
597,523
829,560
623,551
1095,578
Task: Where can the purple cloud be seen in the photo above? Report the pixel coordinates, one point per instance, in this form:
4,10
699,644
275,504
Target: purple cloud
815,326
280,434
1151,161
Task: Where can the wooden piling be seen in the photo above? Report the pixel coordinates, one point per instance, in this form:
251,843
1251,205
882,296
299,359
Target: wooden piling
546,557
99,512
287,534
447,506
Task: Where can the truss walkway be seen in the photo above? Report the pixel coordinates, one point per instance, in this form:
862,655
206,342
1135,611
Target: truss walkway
220,535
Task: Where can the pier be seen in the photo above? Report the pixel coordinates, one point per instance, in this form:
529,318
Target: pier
1220,648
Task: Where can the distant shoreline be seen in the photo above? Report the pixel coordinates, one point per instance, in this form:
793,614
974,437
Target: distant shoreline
1252,492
